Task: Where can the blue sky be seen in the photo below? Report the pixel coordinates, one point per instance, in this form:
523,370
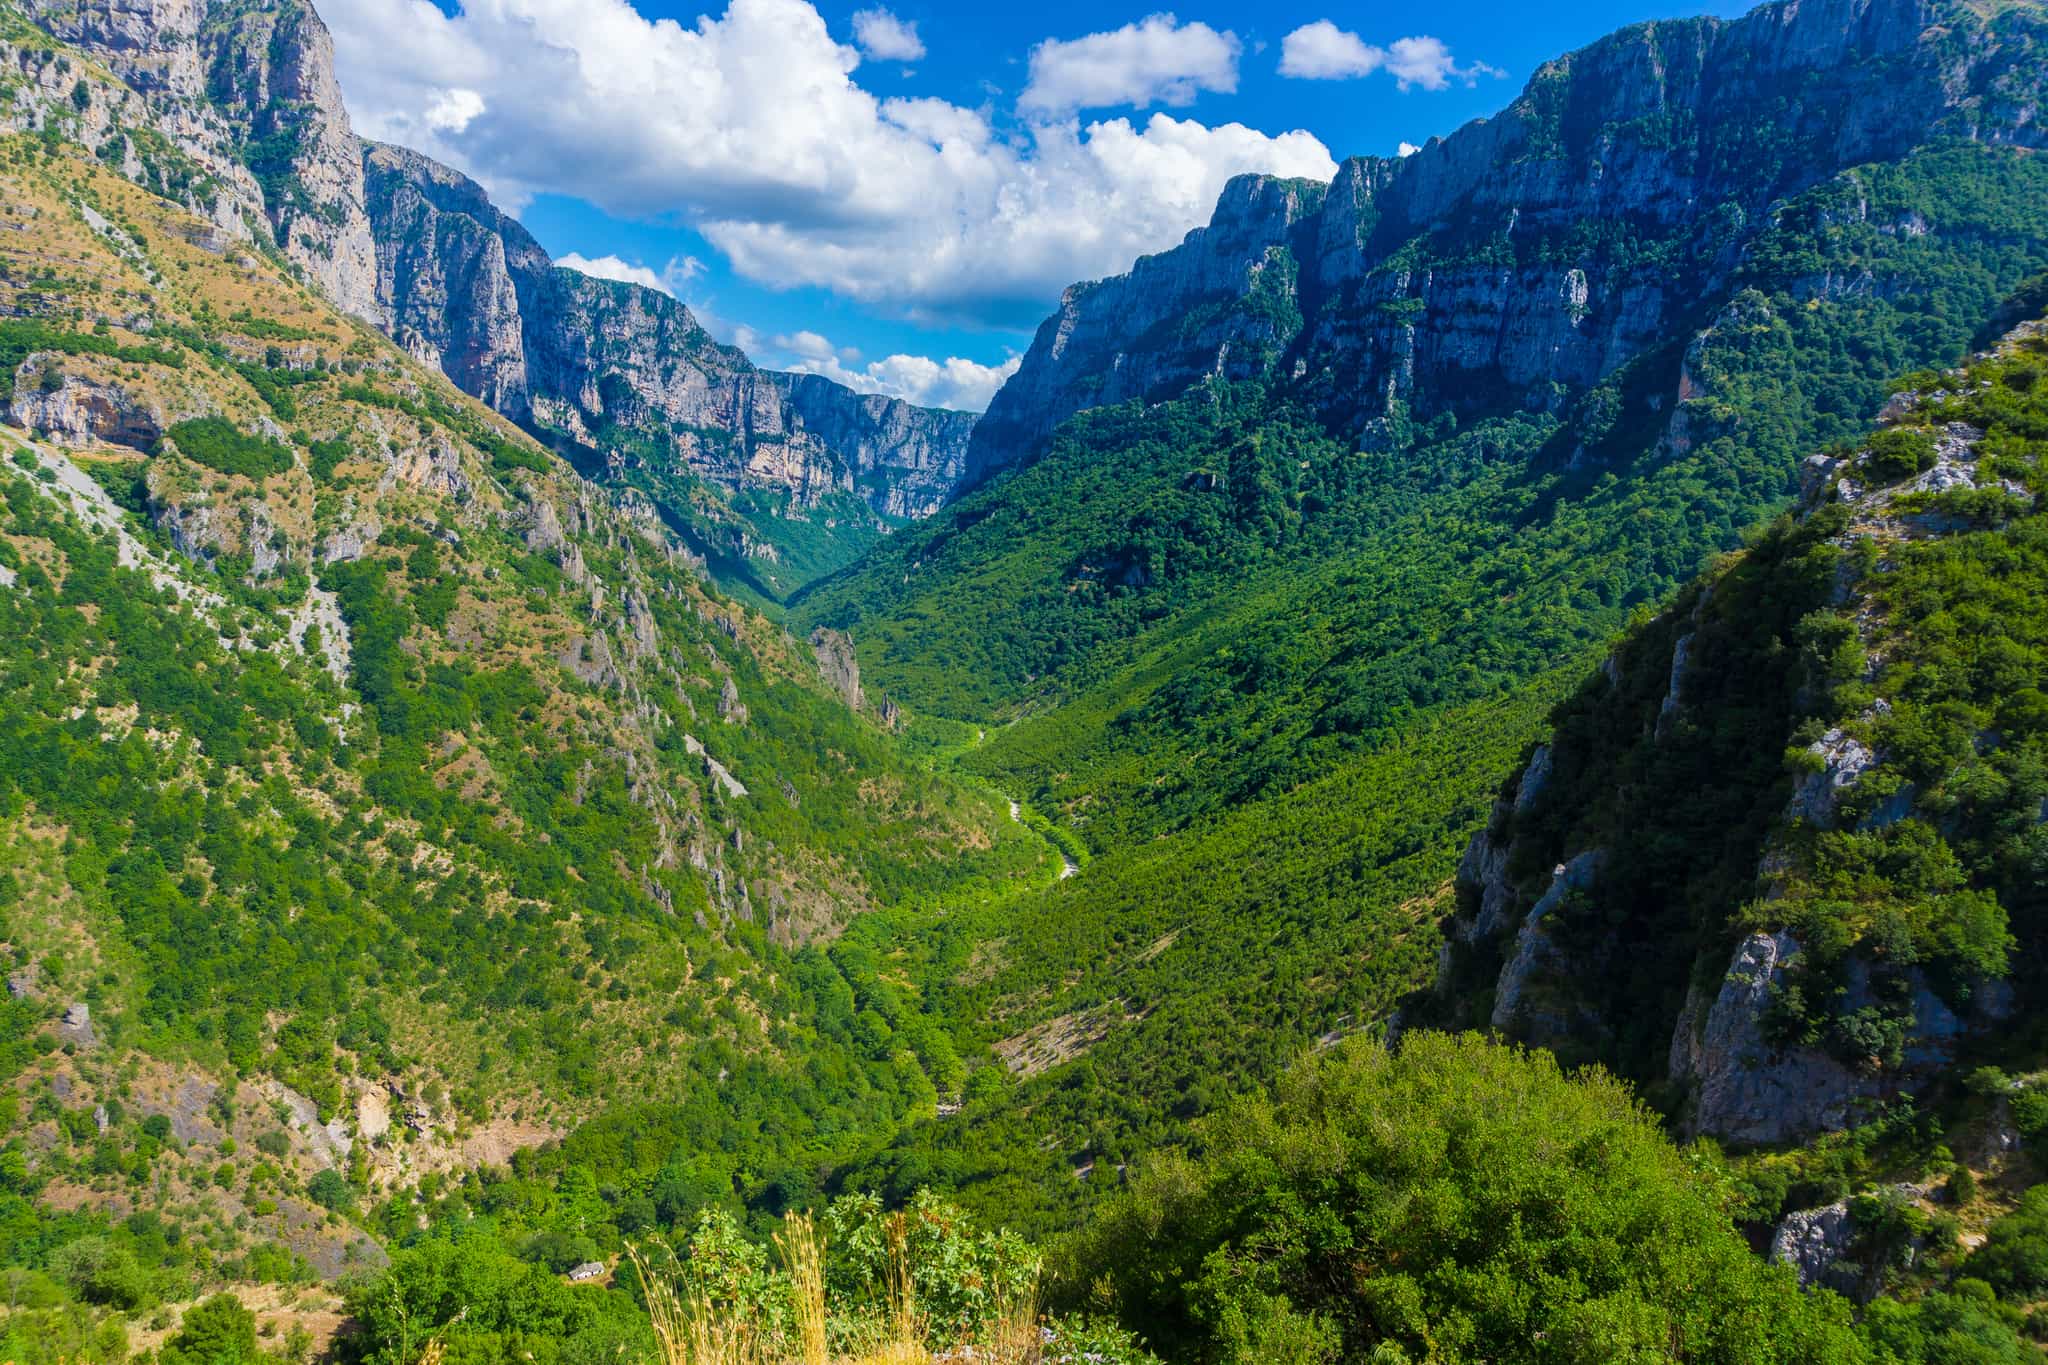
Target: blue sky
902,216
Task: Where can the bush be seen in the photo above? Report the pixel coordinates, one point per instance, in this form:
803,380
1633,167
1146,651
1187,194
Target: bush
2030,1115
217,1332
2014,1257
330,1191
1412,1201
219,444
102,1273
1899,453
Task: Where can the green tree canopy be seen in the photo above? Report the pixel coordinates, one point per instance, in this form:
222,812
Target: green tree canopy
1454,1201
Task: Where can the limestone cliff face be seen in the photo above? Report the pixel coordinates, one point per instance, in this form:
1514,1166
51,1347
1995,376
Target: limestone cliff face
906,461
1644,892
1525,257
614,365
245,89
232,107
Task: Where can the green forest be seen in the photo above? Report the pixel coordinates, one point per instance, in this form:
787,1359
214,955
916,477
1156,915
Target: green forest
463,904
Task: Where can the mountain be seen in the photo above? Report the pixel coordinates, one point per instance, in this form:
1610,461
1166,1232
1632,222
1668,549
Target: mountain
1783,854
421,881
378,797
1516,264
232,108
626,375
1254,664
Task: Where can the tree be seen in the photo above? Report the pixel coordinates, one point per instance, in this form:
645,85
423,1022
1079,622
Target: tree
1456,1200
219,1331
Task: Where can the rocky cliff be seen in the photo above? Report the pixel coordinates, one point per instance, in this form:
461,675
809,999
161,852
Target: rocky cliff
231,108
1772,860
242,89
1521,260
625,369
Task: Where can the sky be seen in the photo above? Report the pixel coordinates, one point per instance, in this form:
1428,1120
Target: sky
894,193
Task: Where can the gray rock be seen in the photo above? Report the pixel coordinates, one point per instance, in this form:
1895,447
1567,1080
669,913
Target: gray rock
1368,291
1844,760
80,411
838,664
1518,1009
1745,1090
76,1027
1816,1244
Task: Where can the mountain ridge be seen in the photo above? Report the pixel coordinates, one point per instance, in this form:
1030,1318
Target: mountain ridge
777,475
1455,271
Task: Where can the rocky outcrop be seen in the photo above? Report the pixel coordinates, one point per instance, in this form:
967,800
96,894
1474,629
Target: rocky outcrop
1745,1089
247,92
1463,278
72,410
838,664
1816,1244
1521,1007
627,370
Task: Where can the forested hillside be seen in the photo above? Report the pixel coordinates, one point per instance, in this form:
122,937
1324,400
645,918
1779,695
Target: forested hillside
377,798
438,923
1211,625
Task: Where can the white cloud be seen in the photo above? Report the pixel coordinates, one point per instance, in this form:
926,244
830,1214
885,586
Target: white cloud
950,383
1157,61
750,128
453,111
885,38
1323,52
669,280
1406,150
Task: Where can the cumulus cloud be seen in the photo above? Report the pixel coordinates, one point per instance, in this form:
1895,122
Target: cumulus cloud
885,38
669,280
950,383
750,127
1157,61
1323,52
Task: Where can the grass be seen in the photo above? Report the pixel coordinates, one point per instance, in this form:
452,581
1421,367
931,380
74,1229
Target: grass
691,1328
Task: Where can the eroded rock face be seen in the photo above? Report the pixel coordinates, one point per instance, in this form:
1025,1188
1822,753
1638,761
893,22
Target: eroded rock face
464,287
1749,1090
1450,280
1746,1090
1520,1007
248,92
838,664
76,411
1816,1243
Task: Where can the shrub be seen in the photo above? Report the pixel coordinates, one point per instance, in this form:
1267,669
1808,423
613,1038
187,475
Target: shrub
1409,1200
2014,1257
219,444
330,1191
217,1332
1899,453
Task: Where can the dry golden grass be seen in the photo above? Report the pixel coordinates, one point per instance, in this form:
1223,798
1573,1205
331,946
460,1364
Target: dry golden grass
689,1330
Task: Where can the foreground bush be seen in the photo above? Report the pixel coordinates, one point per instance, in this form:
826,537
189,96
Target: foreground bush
1457,1201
